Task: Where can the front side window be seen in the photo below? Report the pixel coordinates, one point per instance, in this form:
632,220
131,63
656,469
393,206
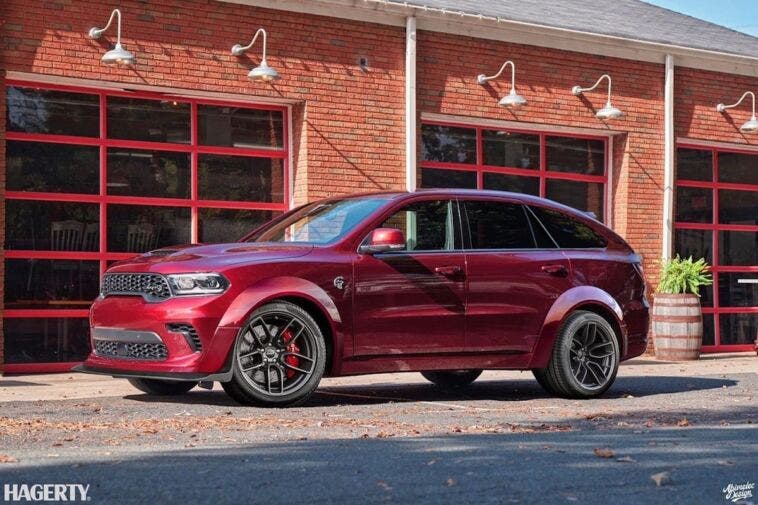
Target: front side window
320,222
568,232
428,226
498,225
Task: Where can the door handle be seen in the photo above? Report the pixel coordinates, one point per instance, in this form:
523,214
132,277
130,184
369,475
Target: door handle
449,270
558,270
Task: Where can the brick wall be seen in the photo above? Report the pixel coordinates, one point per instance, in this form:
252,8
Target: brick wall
696,94
447,70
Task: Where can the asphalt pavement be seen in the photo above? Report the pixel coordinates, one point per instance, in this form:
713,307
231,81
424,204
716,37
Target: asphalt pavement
665,433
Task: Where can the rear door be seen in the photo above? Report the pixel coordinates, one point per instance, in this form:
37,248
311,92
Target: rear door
413,301
515,273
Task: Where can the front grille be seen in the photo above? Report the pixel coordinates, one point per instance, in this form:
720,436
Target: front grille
131,350
189,332
149,286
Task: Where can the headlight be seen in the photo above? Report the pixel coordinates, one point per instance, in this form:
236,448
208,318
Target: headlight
197,284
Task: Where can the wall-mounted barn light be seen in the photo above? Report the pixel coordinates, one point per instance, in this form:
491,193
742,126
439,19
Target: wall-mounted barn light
751,125
607,112
262,72
118,55
512,99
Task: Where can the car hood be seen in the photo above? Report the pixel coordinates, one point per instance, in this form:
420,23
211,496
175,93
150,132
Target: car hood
195,258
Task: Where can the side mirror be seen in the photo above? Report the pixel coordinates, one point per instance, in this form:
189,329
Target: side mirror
383,240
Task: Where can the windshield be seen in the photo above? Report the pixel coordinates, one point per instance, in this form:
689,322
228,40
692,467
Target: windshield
320,222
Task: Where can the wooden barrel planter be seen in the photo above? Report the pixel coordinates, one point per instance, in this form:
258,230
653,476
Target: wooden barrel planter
677,327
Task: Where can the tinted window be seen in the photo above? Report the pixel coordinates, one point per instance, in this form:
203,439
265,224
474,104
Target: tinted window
148,120
449,144
38,166
428,226
140,228
738,207
50,284
51,226
584,196
580,156
445,178
148,173
694,205
240,178
58,112
738,167
40,340
509,149
567,231
498,225
694,164
514,183
238,127
228,225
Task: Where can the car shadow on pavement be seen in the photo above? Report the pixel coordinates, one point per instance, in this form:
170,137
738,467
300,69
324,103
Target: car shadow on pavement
492,390
543,467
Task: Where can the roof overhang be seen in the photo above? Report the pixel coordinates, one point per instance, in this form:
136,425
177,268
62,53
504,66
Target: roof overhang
394,13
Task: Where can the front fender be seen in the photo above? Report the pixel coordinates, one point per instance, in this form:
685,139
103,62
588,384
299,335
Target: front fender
573,299
286,287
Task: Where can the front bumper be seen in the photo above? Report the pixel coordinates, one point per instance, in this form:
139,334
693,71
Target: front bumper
175,376
132,336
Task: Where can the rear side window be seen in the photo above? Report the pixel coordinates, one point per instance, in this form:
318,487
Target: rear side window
498,225
567,231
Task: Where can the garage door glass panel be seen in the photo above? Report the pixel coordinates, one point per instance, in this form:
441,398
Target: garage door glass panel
33,110
580,156
738,168
584,196
695,243
738,248
738,289
51,226
239,127
443,178
514,183
148,120
709,333
240,178
46,284
148,173
226,225
694,205
140,228
44,340
52,168
449,144
736,329
694,164
738,207
510,149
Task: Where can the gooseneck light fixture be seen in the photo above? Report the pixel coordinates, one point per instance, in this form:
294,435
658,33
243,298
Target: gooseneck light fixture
512,99
262,72
751,125
118,55
607,112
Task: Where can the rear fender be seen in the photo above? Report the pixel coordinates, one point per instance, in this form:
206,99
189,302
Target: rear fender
287,287
571,300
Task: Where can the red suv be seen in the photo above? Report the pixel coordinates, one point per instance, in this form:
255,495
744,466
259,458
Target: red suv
444,282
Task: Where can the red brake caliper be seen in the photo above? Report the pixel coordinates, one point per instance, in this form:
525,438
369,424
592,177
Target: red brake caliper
291,347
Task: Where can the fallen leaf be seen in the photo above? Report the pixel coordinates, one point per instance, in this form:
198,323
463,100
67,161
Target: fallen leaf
626,459
4,458
683,422
384,485
450,482
604,453
725,462
661,479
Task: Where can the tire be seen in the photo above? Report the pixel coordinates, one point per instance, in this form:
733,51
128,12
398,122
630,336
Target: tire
452,379
279,357
162,387
585,358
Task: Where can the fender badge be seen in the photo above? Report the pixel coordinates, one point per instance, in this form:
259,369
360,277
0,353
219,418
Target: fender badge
339,282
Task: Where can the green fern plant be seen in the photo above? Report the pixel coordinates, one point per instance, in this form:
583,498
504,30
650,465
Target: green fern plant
684,275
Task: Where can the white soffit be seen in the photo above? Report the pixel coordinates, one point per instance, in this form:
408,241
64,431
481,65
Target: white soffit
394,13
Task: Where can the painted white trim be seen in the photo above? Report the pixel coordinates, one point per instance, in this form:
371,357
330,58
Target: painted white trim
290,159
395,13
669,146
122,86
410,104
716,144
518,125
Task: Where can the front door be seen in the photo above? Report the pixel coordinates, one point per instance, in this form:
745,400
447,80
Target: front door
412,301
515,273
